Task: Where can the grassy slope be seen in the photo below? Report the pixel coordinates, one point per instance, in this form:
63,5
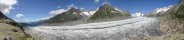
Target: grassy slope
11,32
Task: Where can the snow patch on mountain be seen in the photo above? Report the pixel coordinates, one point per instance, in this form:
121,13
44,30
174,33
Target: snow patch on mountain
90,13
117,9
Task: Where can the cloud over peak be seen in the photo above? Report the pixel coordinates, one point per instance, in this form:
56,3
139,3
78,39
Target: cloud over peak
59,11
72,6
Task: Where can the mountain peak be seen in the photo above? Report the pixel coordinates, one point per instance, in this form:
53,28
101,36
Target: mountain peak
72,9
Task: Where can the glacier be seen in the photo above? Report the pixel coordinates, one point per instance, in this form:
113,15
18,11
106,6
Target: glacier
112,30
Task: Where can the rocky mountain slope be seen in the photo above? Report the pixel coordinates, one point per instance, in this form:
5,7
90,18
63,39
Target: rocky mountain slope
107,11
173,21
11,30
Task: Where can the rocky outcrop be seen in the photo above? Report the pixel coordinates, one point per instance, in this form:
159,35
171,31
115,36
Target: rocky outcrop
173,20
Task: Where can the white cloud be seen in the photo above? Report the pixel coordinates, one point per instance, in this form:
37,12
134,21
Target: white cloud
59,11
6,5
164,9
55,12
137,14
96,1
72,6
46,18
19,15
21,18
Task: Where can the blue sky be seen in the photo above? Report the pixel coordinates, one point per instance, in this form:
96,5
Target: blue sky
37,9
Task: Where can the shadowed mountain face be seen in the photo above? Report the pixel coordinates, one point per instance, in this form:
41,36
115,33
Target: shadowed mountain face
173,20
2,16
70,15
106,11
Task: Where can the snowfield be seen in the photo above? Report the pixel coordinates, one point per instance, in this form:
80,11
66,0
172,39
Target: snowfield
114,30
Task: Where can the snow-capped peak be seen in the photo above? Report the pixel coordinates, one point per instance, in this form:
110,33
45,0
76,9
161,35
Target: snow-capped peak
89,13
164,9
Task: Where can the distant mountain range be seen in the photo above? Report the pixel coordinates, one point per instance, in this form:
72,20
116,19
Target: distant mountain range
73,14
159,11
